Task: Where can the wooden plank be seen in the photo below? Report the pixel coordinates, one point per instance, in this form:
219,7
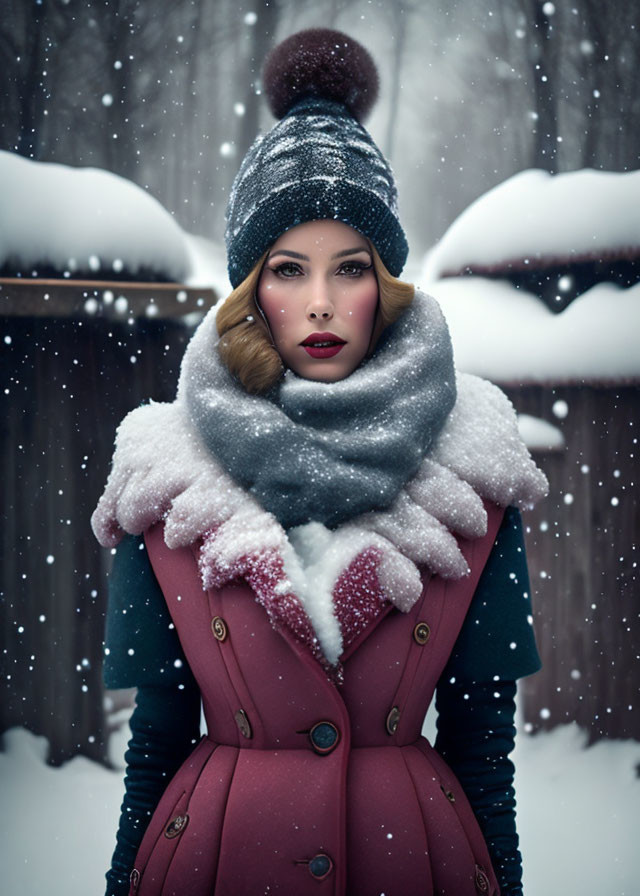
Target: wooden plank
67,383
114,300
582,553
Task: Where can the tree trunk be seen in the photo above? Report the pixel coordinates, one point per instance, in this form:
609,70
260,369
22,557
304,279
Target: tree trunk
261,40
401,13
543,73
32,88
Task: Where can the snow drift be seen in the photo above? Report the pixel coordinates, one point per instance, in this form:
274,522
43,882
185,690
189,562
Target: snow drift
86,220
535,218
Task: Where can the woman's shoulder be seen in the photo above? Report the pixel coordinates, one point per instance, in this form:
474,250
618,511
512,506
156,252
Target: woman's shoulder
141,643
497,639
152,447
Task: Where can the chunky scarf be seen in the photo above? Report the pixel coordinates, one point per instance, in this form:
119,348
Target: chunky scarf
327,451
325,585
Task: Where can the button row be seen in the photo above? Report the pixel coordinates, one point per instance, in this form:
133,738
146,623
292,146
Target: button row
421,632
324,736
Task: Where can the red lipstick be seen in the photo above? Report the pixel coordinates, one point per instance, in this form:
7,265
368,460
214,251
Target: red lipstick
322,345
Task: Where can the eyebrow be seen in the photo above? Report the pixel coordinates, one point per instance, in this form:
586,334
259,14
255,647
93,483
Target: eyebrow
351,252
299,255
289,254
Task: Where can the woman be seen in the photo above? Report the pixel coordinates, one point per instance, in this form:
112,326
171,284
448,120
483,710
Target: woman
321,531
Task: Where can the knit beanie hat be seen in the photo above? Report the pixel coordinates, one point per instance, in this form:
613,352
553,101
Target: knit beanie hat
318,161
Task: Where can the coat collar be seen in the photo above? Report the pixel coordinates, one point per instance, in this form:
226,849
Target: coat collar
327,585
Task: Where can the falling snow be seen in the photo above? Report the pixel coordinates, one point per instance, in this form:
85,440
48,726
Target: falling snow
602,817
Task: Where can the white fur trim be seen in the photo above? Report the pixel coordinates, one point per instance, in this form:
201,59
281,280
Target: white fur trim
161,470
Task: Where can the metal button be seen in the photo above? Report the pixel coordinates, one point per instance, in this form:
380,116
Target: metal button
243,724
219,628
450,795
392,720
324,737
134,879
320,866
482,881
421,633
176,826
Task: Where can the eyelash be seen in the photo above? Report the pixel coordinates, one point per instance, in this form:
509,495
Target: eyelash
358,265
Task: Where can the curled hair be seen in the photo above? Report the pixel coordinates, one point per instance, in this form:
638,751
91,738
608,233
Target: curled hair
245,344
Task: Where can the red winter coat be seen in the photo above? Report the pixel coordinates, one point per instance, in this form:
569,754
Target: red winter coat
304,785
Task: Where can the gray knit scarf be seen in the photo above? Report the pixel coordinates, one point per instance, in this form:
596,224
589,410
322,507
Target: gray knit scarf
327,451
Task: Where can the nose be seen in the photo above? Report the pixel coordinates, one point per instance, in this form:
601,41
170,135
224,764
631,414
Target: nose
319,305
324,315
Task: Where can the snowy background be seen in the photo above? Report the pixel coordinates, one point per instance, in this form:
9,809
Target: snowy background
578,816
474,95
167,92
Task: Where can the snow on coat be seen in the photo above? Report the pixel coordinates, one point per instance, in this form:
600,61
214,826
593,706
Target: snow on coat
162,471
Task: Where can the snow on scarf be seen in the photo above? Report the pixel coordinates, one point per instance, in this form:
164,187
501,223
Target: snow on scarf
326,585
325,452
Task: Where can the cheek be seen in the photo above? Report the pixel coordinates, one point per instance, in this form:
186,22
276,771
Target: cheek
277,309
364,306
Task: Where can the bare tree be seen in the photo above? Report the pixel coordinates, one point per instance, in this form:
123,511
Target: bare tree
501,87
260,40
22,52
401,11
543,64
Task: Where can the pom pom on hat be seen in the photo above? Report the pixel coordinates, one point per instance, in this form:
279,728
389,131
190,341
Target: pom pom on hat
323,63
317,161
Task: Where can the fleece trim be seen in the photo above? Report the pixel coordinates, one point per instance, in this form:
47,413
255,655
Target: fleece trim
162,471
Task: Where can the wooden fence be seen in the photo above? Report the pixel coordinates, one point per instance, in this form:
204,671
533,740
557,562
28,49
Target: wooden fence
75,358
582,548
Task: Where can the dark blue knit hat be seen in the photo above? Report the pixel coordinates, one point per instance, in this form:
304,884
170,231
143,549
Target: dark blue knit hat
318,161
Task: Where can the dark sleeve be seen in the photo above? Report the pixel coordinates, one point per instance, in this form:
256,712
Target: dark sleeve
141,643
475,697
497,637
142,650
165,726
476,733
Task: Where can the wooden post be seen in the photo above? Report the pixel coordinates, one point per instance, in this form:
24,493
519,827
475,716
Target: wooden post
582,548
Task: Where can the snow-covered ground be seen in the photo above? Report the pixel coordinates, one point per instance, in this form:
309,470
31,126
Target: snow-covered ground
578,815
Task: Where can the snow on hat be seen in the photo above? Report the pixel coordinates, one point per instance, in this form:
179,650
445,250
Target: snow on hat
318,161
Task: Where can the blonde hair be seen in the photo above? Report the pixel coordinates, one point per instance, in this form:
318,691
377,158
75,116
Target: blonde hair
245,344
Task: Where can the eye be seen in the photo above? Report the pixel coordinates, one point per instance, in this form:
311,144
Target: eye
287,269
353,268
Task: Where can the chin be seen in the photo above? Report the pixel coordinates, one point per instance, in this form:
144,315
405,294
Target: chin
324,373
327,370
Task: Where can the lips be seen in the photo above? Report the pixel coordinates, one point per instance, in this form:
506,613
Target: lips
322,345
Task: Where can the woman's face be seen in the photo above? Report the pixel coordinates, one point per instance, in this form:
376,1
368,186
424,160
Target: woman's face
319,293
